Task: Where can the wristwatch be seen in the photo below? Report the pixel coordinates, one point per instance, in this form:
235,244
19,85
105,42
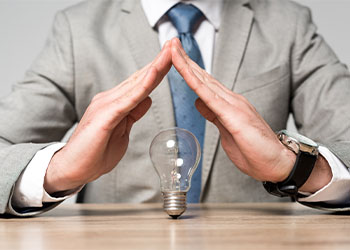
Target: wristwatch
306,151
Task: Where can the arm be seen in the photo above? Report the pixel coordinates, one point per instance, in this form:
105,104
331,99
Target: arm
321,89
29,189
39,110
336,193
243,132
107,123
44,106
320,104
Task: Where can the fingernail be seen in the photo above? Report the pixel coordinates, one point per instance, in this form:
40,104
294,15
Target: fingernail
174,40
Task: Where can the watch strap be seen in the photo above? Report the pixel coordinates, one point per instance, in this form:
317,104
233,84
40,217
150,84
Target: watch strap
301,171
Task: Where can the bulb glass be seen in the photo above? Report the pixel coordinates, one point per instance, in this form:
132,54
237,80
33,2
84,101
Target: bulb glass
175,154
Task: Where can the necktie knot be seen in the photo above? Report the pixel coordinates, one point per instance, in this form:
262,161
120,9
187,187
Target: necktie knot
184,17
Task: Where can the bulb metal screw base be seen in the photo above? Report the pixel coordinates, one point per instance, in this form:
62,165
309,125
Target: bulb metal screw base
174,203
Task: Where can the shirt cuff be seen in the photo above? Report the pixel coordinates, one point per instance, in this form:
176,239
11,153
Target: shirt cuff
337,191
61,196
29,188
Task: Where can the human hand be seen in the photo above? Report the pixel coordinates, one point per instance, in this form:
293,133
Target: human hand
246,138
102,136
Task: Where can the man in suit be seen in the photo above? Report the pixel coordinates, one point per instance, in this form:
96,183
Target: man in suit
268,61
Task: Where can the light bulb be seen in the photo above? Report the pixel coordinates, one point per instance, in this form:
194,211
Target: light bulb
175,154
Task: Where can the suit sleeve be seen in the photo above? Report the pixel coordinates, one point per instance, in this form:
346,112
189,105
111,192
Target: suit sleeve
39,111
321,94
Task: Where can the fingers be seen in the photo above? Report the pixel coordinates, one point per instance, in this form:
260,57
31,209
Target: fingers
206,78
182,63
243,131
115,104
158,68
210,116
160,65
143,83
217,103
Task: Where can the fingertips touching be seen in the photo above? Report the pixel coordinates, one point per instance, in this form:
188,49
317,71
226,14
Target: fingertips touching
177,44
167,44
164,50
176,41
163,61
178,59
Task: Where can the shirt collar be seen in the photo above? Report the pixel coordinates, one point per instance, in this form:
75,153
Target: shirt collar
155,9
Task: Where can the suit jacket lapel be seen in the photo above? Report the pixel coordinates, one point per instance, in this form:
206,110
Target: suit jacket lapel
144,46
232,39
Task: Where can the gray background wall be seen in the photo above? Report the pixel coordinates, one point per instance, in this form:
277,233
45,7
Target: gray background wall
24,25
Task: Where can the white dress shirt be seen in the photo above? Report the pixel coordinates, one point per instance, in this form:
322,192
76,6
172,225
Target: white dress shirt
29,191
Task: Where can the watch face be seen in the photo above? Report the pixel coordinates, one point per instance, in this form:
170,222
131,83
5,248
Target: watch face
302,139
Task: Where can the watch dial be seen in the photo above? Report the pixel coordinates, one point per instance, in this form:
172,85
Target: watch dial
302,139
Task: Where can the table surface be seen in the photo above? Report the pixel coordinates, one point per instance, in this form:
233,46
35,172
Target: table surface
203,226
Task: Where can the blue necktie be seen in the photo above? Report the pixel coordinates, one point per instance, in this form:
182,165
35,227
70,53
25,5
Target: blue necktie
185,17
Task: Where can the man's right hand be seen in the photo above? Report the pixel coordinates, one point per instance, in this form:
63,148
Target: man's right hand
102,136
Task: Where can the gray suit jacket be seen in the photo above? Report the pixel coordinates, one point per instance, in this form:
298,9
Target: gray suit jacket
266,50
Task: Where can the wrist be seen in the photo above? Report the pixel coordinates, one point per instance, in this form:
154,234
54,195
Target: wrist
285,165
306,152
56,180
320,176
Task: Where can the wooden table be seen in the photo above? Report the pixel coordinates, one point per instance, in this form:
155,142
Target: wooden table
206,226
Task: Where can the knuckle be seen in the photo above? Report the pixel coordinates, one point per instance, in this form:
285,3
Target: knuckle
144,89
186,69
188,58
133,100
154,69
207,79
133,78
244,100
97,97
117,110
131,96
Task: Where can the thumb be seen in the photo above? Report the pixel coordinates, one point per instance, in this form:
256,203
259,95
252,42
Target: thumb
138,112
204,110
